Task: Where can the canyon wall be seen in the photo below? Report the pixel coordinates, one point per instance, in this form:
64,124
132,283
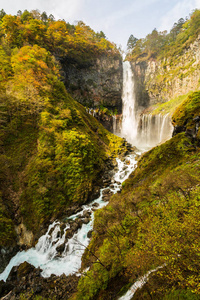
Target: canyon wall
97,82
161,80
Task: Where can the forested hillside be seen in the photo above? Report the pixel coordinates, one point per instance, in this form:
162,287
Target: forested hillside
51,150
53,155
167,65
154,223
163,44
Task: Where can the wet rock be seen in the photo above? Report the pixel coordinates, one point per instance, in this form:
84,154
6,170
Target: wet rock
95,193
80,222
178,129
106,183
73,210
112,186
86,220
58,234
74,226
118,182
86,214
107,193
95,204
6,253
62,226
89,234
94,209
25,282
69,234
79,209
60,248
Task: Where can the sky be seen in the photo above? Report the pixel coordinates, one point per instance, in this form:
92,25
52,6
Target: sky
118,19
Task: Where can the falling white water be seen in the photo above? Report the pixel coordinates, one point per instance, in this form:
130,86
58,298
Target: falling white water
145,131
139,284
46,256
129,121
154,129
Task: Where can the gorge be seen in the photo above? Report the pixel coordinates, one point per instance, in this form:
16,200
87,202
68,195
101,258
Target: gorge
84,214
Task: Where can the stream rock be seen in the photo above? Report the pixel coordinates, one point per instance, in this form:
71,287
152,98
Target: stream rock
27,280
6,253
86,214
60,248
107,193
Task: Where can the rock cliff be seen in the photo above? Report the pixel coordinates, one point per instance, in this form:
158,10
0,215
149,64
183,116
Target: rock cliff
96,82
164,79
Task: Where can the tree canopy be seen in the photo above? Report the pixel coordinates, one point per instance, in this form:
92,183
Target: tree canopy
164,44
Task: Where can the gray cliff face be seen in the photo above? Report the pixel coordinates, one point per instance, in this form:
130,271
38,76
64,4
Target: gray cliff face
141,94
162,80
98,82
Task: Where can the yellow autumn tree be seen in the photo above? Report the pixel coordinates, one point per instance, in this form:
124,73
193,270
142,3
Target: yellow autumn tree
34,69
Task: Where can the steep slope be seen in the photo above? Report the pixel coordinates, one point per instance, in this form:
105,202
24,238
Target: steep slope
52,152
91,65
166,65
153,222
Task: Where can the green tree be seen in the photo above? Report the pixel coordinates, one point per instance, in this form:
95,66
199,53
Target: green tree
176,29
34,70
44,17
2,14
26,15
131,42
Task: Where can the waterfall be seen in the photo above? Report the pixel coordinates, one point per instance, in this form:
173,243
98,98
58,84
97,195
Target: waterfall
129,122
145,130
153,130
139,284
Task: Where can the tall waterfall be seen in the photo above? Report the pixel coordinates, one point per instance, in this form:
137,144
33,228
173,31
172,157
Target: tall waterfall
129,122
145,130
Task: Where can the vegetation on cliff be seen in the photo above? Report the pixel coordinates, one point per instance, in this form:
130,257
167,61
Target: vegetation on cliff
164,44
169,61
78,42
51,150
153,222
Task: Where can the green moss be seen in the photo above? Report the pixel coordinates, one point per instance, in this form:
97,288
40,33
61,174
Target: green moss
182,295
7,232
187,111
169,106
161,159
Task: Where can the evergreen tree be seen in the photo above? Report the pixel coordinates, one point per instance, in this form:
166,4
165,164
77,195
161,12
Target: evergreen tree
131,42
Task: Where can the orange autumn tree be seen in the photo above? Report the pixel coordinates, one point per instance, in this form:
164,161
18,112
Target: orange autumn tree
34,72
